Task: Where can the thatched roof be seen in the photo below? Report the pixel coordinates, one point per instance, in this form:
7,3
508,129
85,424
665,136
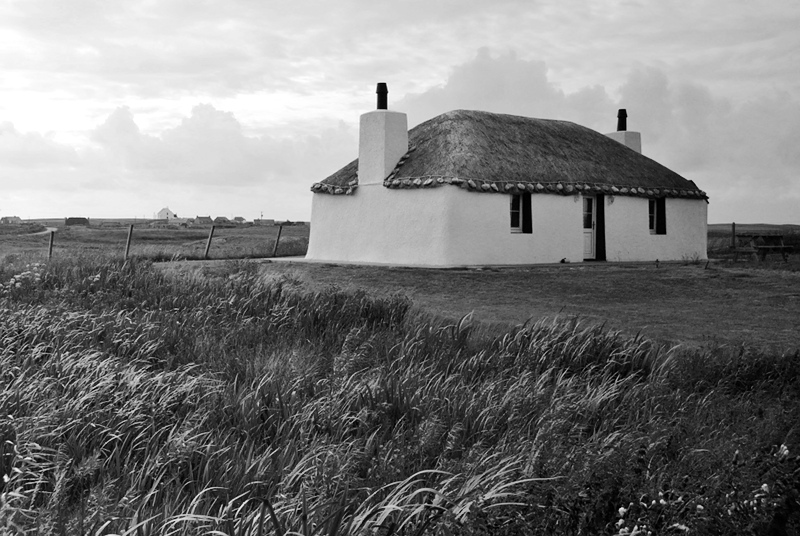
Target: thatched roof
491,152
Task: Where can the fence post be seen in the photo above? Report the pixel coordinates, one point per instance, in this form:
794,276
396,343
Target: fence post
277,239
50,246
208,244
128,242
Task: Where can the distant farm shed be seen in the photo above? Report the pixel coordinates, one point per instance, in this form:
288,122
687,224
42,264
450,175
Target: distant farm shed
203,220
13,220
76,221
479,188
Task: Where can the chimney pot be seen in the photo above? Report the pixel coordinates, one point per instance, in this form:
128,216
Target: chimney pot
383,93
622,123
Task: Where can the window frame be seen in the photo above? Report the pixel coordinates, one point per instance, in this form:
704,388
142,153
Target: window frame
657,215
520,209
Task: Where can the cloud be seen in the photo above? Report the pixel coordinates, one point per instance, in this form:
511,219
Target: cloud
744,155
508,84
32,150
267,153
210,147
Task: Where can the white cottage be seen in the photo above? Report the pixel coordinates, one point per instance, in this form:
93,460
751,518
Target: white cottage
477,188
166,214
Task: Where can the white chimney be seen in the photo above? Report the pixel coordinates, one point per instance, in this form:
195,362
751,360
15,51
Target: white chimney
383,139
632,140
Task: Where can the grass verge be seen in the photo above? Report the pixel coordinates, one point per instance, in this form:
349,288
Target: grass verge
137,402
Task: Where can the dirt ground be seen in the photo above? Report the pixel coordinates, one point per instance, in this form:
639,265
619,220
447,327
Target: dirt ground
723,304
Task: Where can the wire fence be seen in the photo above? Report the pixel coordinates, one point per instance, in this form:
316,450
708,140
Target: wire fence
163,244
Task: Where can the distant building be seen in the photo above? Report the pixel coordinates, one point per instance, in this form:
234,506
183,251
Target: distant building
76,221
263,222
239,220
203,220
221,219
11,220
166,214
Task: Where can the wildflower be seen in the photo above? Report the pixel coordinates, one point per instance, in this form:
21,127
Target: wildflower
765,488
662,502
783,452
700,508
620,522
622,511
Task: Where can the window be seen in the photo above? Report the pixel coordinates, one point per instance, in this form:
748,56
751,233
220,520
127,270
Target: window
588,213
521,221
657,216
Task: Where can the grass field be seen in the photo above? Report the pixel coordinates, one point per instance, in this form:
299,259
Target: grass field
31,241
249,397
234,402
723,304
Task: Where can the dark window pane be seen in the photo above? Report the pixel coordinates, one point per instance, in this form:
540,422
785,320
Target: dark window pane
587,212
515,212
651,213
526,213
661,216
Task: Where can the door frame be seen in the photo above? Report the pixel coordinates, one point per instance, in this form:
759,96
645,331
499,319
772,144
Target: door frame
591,200
598,226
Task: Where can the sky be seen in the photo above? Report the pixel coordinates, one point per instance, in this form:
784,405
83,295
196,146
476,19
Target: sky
235,107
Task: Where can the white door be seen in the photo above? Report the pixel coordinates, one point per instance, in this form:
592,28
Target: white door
588,227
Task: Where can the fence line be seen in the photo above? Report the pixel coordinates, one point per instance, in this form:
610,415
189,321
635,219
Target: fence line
129,241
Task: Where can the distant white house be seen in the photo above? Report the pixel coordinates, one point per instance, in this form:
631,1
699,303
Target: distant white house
11,219
166,214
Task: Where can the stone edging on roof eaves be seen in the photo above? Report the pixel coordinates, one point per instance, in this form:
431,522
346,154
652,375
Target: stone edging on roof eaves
513,188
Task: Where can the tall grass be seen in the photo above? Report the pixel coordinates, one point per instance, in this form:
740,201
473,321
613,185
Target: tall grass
134,402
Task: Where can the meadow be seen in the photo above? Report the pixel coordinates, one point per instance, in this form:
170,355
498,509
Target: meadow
30,241
238,401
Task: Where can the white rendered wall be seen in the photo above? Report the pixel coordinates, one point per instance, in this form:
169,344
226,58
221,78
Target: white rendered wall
632,140
379,225
479,230
628,235
383,139
445,226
